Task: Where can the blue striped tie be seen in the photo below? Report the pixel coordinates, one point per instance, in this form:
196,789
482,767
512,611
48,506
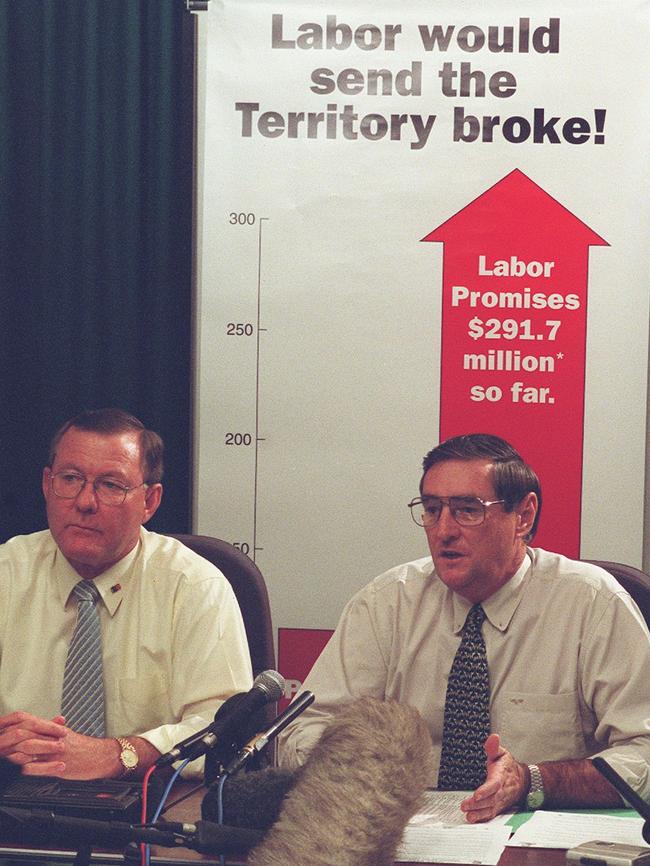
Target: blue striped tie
82,702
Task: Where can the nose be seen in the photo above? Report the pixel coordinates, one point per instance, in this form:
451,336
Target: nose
446,527
86,498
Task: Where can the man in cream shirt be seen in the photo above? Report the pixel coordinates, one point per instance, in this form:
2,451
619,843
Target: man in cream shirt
173,644
568,652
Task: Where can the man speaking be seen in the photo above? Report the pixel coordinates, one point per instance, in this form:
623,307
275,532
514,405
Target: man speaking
115,642
523,663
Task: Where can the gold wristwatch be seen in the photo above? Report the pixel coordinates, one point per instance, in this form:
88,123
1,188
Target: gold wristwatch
128,756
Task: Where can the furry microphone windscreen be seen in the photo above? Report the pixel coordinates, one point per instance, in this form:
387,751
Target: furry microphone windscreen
364,779
250,800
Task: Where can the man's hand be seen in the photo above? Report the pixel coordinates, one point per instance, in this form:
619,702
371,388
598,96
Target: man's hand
98,758
33,742
49,748
83,757
504,786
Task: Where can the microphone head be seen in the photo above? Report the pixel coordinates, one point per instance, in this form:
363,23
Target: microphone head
362,782
269,685
270,682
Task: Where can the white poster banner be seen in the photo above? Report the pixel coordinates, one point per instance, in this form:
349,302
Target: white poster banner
338,137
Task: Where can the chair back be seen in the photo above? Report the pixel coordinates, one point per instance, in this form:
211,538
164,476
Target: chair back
636,582
250,590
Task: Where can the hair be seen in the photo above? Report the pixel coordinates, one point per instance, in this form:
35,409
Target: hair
110,421
512,477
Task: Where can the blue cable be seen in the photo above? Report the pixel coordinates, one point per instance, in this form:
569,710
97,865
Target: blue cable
222,782
163,799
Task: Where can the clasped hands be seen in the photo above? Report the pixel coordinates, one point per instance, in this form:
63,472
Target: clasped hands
505,785
45,747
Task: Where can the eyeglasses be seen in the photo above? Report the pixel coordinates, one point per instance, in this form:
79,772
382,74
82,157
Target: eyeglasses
68,485
466,510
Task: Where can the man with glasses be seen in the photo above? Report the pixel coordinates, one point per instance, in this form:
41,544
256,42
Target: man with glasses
522,662
115,642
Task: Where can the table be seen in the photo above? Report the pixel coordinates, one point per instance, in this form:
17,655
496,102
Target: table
189,811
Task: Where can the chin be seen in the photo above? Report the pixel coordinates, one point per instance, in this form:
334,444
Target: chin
458,580
82,555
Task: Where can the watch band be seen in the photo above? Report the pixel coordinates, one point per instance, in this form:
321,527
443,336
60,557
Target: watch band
535,796
128,756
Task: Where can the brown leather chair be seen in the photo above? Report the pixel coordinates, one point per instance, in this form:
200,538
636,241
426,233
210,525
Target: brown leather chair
250,590
636,582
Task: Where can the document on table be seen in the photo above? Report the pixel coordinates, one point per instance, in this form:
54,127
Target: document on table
566,830
443,808
439,833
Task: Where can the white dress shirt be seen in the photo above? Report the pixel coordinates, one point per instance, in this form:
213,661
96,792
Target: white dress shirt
173,641
568,655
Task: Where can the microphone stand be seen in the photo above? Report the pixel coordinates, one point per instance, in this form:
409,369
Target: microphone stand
83,833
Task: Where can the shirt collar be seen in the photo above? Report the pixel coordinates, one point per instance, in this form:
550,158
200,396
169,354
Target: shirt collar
110,584
500,606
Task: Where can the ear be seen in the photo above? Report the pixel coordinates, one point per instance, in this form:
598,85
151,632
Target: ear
526,511
152,497
45,482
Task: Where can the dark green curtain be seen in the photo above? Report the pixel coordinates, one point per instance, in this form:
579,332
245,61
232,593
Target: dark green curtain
95,233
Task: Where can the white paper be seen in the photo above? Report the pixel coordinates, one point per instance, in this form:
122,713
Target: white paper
476,843
439,833
443,808
566,830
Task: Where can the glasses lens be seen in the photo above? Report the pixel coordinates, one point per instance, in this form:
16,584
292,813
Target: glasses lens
67,484
109,492
467,512
427,512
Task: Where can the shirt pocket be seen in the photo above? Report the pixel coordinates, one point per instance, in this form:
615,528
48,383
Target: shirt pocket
144,702
542,727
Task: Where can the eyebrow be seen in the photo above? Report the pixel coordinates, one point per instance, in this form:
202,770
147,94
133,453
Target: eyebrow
117,474
453,496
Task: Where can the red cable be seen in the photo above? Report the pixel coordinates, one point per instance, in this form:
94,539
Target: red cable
143,815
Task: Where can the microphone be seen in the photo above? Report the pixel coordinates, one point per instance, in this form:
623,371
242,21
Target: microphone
627,793
267,687
250,800
260,741
207,838
352,799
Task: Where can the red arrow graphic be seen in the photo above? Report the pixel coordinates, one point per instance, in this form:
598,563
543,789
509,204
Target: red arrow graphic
514,326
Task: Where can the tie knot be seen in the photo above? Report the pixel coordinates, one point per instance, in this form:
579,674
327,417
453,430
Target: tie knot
475,618
86,590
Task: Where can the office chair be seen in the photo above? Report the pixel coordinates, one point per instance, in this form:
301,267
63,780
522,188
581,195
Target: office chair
636,582
250,590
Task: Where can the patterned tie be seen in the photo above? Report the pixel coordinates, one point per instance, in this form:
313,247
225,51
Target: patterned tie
82,702
467,711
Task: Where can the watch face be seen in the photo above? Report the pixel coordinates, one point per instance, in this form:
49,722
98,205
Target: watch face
129,758
535,799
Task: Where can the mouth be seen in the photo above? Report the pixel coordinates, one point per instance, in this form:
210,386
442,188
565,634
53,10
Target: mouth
450,555
78,527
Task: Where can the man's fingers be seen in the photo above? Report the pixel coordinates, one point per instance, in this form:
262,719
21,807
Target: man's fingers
25,751
479,815
43,768
30,725
476,809
493,748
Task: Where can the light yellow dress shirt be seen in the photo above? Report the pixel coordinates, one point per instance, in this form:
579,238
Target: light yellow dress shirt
568,655
173,641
